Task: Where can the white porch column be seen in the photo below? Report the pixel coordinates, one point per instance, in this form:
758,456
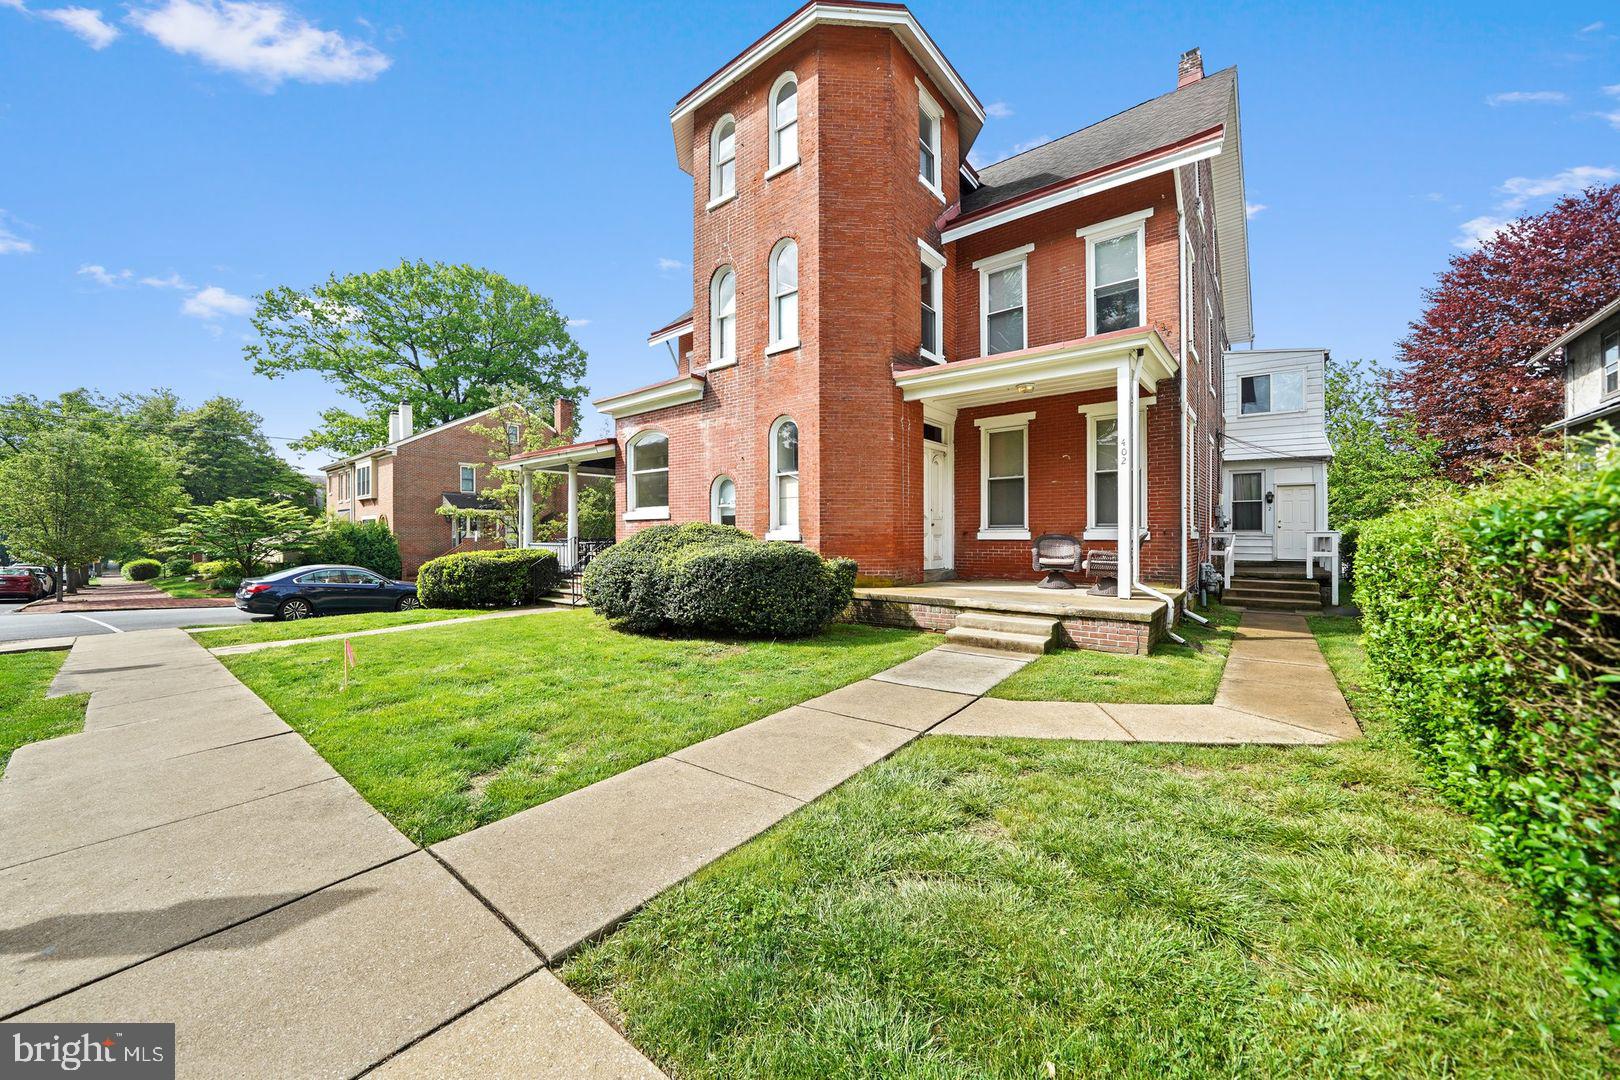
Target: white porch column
526,509
573,514
1125,432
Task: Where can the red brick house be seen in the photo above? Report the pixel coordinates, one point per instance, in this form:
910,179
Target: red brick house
896,357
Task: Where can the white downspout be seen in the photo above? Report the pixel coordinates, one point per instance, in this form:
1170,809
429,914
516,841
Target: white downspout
1187,455
1125,505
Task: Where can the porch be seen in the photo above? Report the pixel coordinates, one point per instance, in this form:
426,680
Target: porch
588,460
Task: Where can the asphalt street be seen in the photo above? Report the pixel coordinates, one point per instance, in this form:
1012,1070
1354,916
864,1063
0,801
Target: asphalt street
17,625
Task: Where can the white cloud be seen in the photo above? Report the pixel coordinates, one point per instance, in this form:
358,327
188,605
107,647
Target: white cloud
214,302
998,110
85,23
1520,190
10,242
1475,231
102,276
1528,97
579,322
1039,140
173,281
1591,28
265,43
15,4
1253,208
1613,89
667,264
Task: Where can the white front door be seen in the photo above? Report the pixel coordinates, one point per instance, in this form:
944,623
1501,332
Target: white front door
1296,517
936,507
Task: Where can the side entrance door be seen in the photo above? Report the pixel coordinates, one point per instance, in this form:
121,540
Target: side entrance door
936,507
1296,516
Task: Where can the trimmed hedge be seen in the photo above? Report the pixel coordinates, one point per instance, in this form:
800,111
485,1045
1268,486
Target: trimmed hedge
494,579
142,569
179,566
717,579
1492,618
356,543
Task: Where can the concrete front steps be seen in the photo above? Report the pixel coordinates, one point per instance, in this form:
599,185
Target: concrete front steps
1023,634
1274,594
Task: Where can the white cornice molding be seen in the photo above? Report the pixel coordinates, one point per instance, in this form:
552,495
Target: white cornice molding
662,395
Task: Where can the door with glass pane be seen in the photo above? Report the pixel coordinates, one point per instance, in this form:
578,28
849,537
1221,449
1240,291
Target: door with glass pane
936,508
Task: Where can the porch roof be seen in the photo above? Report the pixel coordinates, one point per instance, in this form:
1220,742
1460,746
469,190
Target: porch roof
1063,367
596,457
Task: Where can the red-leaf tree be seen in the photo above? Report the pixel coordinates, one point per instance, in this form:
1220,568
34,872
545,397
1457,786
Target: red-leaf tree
1466,378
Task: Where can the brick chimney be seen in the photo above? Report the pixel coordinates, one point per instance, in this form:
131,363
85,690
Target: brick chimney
1191,68
562,417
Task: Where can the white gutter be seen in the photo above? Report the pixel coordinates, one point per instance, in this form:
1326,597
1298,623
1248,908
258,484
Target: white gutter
1186,299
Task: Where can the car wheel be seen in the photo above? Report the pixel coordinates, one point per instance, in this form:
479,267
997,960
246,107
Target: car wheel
407,603
295,609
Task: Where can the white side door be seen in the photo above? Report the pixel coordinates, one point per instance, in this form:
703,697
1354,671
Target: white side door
1295,518
936,507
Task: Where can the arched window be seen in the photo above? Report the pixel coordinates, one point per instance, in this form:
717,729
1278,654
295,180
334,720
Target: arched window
723,160
785,294
649,474
723,501
784,109
723,318
784,480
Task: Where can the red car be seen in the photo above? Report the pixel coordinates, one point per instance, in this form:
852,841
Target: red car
20,583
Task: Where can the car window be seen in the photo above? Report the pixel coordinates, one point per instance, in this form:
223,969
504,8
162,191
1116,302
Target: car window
318,577
360,577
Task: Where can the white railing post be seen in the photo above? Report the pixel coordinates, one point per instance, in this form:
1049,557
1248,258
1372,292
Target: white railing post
573,515
1220,544
1323,547
1125,506
526,509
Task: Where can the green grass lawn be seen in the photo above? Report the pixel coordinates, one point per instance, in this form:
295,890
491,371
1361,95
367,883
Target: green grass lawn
216,637
448,730
1170,675
188,589
1023,908
25,714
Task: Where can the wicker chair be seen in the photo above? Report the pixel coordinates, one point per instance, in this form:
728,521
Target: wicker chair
1103,564
1054,553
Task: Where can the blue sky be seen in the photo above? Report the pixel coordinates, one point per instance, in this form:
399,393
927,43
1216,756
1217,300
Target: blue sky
159,165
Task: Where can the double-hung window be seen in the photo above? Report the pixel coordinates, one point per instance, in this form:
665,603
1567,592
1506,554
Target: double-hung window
362,481
784,480
784,110
1275,392
1248,502
1609,352
649,476
1003,284
1102,469
723,501
469,479
723,161
932,278
930,123
723,318
1004,477
784,295
1115,272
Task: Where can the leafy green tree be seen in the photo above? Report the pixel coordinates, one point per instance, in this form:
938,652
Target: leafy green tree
451,340
241,531
70,495
220,448
1380,461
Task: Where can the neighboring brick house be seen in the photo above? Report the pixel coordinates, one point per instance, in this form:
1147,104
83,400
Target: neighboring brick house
921,365
404,483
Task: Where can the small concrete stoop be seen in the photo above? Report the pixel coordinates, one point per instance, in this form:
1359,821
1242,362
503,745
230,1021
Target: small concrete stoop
1274,594
1025,634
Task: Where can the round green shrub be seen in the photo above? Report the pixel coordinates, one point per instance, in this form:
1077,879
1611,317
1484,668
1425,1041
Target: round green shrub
492,579
142,569
369,544
179,566
717,579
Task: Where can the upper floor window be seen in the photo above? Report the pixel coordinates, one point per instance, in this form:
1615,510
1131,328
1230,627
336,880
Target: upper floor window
1114,272
649,474
785,294
514,435
1002,285
723,318
1277,392
723,501
1609,349
723,160
932,296
784,480
362,481
930,123
469,479
784,110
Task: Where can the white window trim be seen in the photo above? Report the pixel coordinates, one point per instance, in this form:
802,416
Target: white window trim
1109,410
773,152
367,494
642,513
714,497
1304,392
1232,500
936,262
931,108
1604,392
791,531
718,198
1016,257
1091,236
987,426
467,465
778,343
716,361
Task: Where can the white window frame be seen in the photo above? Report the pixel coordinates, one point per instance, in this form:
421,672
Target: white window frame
928,107
936,262
1605,373
1109,410
785,530
1304,392
717,359
718,194
1018,257
1112,229
1232,500
987,426
461,480
779,163
633,511
1214,346
714,499
780,342
514,434
359,471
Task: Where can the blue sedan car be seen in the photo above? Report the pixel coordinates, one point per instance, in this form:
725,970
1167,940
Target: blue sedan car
304,591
